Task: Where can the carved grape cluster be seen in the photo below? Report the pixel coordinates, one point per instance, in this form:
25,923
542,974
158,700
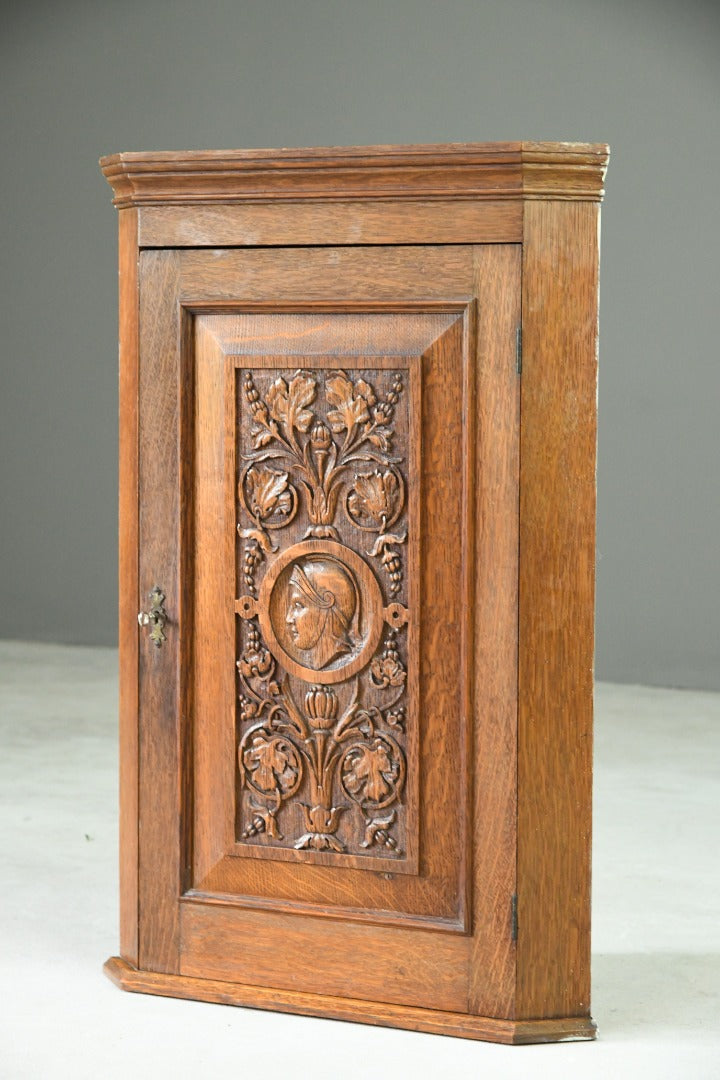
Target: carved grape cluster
253,556
385,410
393,565
252,397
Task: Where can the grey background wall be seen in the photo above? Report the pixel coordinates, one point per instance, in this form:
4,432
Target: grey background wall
82,79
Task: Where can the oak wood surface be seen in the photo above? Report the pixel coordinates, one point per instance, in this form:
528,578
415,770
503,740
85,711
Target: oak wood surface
340,1007
159,716
493,432
413,966
474,170
442,221
556,602
128,582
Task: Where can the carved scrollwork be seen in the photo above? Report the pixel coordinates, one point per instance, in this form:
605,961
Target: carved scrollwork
314,610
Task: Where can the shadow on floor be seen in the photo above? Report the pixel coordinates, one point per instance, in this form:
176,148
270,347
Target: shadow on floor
636,992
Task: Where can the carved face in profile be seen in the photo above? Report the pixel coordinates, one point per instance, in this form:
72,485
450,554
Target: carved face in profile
322,605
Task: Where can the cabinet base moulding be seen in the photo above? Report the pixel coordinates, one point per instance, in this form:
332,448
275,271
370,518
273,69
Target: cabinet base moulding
435,1021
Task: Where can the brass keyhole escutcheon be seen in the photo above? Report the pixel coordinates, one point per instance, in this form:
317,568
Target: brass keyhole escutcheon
156,617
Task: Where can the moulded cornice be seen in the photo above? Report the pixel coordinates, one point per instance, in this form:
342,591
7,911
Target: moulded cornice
518,170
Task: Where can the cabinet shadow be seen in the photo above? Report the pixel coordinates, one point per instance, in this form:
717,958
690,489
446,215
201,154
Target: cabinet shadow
636,992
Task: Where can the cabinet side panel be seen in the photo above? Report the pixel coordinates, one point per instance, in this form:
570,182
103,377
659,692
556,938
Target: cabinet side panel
496,440
128,584
556,599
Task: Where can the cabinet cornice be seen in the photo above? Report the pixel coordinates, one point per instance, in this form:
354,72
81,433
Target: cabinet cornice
519,170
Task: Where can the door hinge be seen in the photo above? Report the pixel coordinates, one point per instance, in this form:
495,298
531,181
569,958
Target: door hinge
514,917
518,350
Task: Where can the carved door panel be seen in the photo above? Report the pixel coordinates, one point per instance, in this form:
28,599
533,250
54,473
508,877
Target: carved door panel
328,481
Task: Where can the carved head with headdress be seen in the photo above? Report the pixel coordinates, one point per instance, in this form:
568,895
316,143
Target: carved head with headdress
322,609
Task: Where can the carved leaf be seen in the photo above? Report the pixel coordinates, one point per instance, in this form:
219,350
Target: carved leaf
287,403
371,773
268,492
381,437
271,764
261,438
374,496
350,407
366,391
260,536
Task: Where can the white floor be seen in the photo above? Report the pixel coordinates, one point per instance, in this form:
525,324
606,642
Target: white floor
656,944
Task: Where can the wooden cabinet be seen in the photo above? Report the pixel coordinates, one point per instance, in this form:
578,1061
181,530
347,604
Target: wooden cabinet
357,520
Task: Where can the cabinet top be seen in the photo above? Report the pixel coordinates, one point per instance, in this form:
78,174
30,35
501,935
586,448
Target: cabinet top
513,170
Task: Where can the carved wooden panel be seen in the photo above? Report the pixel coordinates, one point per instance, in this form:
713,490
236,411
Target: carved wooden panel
327,498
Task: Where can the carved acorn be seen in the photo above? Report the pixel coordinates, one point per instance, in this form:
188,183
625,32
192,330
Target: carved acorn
321,706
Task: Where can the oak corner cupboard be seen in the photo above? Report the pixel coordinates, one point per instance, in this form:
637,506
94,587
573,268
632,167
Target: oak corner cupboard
357,499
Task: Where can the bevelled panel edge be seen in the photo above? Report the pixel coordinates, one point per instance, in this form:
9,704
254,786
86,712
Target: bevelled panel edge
533,170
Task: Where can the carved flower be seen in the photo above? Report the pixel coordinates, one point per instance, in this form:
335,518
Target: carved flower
387,671
369,772
272,764
351,402
287,402
255,663
267,492
375,497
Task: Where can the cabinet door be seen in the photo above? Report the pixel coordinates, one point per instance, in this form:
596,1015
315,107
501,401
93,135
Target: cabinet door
328,490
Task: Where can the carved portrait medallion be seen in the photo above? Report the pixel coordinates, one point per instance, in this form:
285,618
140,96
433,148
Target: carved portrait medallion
321,611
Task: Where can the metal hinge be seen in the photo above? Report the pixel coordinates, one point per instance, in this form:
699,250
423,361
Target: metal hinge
518,350
514,917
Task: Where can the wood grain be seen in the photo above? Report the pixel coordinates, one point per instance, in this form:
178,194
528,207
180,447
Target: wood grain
495,441
380,221
471,170
557,551
435,1021
128,584
159,714
383,963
